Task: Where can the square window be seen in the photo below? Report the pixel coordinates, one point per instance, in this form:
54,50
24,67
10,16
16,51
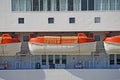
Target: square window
97,19
21,20
50,20
72,20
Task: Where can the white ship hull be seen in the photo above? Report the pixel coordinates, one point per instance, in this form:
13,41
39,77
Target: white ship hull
62,49
10,49
112,48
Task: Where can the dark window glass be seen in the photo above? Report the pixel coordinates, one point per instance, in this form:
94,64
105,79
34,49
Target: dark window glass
57,5
49,5
72,20
118,59
63,59
91,4
70,5
83,5
50,20
35,5
57,59
43,59
50,59
41,5
97,19
21,20
111,59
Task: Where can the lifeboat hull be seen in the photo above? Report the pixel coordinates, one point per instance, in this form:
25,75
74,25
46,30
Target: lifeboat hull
10,49
112,48
87,48
63,49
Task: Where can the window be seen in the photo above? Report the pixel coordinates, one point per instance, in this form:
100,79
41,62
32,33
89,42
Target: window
28,5
57,5
63,59
43,59
118,4
22,5
97,37
57,59
112,4
111,58
63,5
15,5
25,38
41,5
118,59
76,5
50,20
72,20
105,5
70,5
98,4
91,4
20,20
35,5
44,5
97,19
83,5
50,59
49,5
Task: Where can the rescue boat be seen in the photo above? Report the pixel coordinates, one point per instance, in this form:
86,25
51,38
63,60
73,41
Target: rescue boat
112,44
65,45
9,46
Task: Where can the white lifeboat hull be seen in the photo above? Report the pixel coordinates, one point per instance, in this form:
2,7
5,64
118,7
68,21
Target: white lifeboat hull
63,49
112,48
10,49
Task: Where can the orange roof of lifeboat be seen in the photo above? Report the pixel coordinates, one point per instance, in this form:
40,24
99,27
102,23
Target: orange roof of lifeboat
82,38
46,40
114,39
6,38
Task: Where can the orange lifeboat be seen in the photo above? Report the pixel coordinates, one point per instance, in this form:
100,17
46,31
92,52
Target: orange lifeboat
65,45
9,46
87,44
82,38
112,44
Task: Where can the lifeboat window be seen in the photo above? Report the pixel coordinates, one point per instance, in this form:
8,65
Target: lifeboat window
118,59
43,59
57,59
111,58
63,59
